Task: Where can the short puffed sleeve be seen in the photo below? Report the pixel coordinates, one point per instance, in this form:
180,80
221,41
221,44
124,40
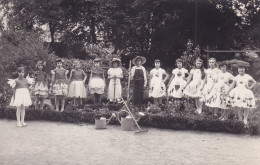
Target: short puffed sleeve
192,71
109,72
185,71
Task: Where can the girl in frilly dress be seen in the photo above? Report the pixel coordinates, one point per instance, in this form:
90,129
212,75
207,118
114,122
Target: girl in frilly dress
59,85
21,97
77,87
97,81
41,84
157,82
242,97
195,84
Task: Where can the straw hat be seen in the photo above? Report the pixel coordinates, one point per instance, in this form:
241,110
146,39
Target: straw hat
115,60
143,59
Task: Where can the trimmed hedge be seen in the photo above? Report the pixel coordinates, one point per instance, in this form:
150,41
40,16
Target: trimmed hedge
178,122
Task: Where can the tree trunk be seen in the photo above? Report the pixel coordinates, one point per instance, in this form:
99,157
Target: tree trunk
92,24
52,32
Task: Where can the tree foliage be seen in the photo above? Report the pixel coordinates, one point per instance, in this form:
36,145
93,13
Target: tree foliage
152,28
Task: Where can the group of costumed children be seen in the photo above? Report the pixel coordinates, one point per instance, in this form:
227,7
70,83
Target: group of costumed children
215,86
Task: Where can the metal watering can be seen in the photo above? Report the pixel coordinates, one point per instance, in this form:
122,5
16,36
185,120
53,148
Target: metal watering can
128,123
102,122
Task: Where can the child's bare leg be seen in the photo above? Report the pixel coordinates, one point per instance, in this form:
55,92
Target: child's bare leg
94,98
37,102
57,102
199,106
62,103
41,103
80,101
74,101
240,115
196,104
23,115
18,116
99,98
246,112
160,100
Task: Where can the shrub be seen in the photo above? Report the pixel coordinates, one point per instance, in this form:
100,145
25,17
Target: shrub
177,121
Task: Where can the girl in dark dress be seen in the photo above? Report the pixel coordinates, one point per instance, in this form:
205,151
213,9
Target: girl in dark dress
138,76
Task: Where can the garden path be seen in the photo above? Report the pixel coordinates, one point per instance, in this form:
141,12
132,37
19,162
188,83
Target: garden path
49,143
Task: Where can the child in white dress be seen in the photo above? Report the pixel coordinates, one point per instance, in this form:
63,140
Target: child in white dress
115,73
77,87
242,96
157,83
21,97
209,93
195,84
223,84
178,81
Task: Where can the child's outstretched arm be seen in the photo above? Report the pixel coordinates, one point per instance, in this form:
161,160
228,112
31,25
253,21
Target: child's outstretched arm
171,80
252,86
189,80
166,77
71,73
52,78
231,86
66,75
150,79
204,82
85,77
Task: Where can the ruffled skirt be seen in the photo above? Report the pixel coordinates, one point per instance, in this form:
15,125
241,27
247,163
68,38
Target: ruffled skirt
97,85
242,97
21,97
60,87
176,87
40,89
77,89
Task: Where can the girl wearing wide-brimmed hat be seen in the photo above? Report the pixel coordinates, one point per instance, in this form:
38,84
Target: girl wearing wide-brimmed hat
195,84
115,73
77,87
242,96
59,85
138,75
97,81
41,84
157,82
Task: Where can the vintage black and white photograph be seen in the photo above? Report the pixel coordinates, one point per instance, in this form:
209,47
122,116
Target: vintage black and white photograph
130,82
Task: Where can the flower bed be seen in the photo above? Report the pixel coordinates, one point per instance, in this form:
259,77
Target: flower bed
165,121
